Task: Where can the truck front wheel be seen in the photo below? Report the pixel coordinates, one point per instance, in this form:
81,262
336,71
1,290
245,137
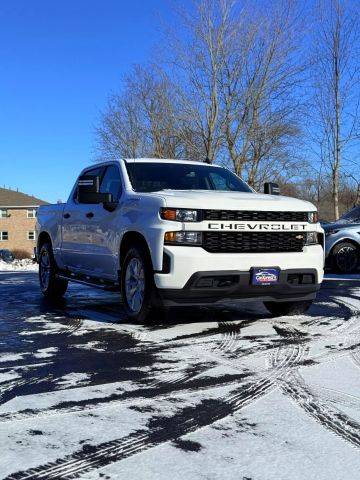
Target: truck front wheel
279,309
138,290
51,286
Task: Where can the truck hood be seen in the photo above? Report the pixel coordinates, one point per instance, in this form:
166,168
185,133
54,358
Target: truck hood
217,200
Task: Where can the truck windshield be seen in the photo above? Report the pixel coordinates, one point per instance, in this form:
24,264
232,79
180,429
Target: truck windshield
153,177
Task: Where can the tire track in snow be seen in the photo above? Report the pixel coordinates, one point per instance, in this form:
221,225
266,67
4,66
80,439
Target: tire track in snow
323,412
190,420
169,380
8,390
120,400
166,385
94,457
336,397
326,415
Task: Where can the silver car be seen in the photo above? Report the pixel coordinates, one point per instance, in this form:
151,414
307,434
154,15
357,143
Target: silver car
342,242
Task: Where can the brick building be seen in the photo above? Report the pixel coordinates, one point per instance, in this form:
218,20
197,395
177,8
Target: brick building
17,221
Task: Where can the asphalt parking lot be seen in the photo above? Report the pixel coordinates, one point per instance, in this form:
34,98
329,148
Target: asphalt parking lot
225,392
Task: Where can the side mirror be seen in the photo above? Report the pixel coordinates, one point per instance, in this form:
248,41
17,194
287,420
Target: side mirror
110,206
88,190
271,188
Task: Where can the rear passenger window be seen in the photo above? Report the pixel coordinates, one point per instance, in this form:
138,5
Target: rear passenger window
111,182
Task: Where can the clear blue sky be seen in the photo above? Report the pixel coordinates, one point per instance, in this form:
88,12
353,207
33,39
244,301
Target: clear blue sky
59,60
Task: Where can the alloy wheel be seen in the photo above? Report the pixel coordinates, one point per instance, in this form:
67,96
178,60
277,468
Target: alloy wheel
135,285
346,258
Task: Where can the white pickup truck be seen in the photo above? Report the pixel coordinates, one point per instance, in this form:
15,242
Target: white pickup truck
170,232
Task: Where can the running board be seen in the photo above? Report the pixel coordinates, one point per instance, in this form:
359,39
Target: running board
90,281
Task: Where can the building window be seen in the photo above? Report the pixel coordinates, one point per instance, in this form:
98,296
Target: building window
31,235
3,213
4,236
31,213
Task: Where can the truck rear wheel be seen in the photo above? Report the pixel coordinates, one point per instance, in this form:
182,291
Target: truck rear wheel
138,289
279,309
51,286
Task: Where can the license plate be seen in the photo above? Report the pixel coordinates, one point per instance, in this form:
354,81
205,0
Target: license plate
265,276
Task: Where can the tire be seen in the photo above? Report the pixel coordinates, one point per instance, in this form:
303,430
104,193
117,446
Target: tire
279,309
51,286
139,294
345,257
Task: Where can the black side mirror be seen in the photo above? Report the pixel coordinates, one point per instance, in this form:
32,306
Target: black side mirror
271,188
110,206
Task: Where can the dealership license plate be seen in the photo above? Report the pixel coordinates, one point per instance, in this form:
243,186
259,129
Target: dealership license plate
265,276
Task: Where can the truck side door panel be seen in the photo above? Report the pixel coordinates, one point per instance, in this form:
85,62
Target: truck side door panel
90,242
76,246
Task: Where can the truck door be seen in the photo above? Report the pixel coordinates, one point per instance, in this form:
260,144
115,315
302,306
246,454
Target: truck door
103,228
76,245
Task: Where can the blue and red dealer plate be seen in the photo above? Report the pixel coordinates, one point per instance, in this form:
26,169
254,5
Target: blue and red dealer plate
265,276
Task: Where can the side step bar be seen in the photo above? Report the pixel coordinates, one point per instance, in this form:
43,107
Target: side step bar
90,281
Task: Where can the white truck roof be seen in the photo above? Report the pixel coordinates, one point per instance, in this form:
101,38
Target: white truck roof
165,160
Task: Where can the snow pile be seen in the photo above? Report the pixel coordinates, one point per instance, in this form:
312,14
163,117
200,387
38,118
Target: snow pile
26,265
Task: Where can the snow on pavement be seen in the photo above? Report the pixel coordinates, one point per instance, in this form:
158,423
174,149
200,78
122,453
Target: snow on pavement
211,393
24,265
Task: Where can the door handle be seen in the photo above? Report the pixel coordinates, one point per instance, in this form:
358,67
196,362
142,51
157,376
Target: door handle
90,215
67,215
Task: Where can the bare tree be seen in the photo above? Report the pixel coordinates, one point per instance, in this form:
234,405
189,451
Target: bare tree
259,83
141,120
120,132
337,94
229,86
196,57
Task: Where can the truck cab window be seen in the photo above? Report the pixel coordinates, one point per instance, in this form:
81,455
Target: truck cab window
111,182
96,172
152,177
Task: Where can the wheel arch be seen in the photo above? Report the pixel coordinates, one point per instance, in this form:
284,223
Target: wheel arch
43,237
343,240
130,239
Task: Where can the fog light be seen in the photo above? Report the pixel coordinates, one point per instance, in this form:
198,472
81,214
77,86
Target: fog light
183,238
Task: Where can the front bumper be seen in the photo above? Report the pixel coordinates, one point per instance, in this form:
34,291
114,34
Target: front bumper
185,261
211,287
188,263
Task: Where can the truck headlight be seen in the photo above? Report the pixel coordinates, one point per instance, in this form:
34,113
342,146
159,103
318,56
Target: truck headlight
183,238
312,238
179,214
313,217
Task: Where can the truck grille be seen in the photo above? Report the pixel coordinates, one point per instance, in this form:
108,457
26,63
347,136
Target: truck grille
253,242
255,216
